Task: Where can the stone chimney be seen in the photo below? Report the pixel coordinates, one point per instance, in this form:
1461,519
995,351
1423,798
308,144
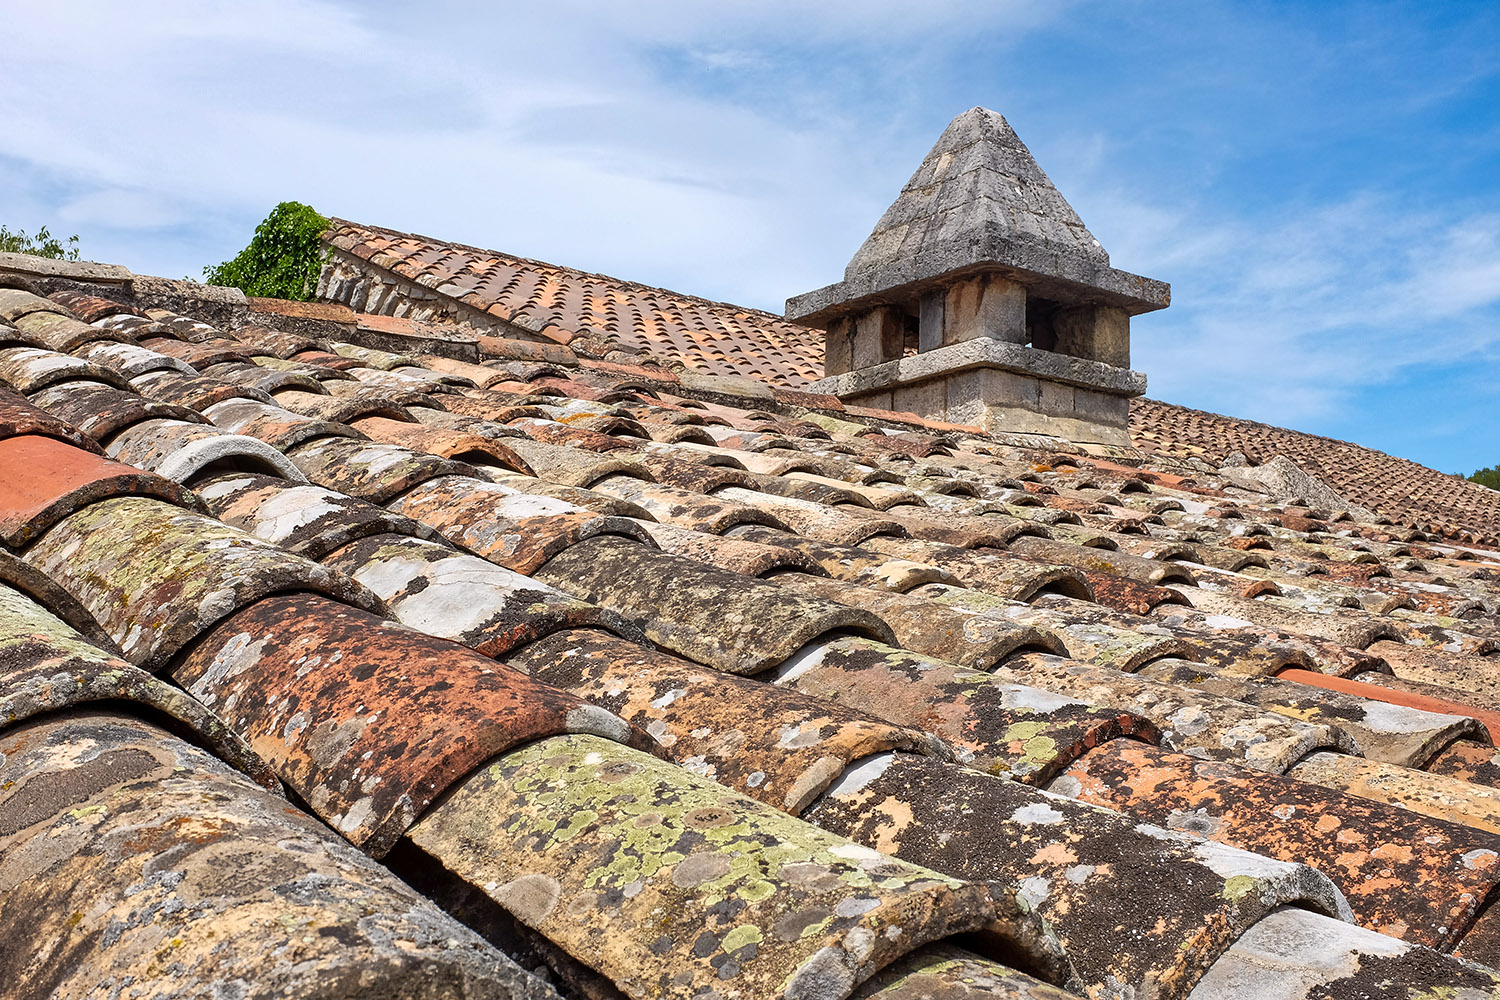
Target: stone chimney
981,298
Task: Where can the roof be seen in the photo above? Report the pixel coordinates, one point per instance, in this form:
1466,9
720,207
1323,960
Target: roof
604,317
563,304
530,678
1396,487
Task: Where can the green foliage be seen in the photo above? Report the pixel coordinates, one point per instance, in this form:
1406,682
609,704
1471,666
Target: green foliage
283,258
1487,477
43,244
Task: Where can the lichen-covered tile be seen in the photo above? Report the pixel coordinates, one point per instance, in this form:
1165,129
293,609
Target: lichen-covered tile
1087,631
45,480
133,861
805,517
368,470
517,530
1140,911
1396,734
1406,875
192,391
850,563
723,620
1007,728
180,449
339,409
307,520
367,720
734,555
923,624
993,571
1149,571
280,428
155,575
1395,698
1473,761
1294,954
672,885
771,743
683,508
443,442
1440,796
63,333
457,596
20,416
101,411
46,666
944,972
28,369
130,360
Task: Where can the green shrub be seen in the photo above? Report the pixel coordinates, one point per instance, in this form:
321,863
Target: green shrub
1487,477
283,258
43,244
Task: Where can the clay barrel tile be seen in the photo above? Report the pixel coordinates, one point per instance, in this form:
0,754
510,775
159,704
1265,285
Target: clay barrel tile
1013,729
179,450
27,369
130,360
192,391
1440,796
19,416
278,427
101,411
773,744
963,531
1414,878
46,666
154,576
1201,723
1392,733
723,620
1474,762
575,466
1264,645
63,333
457,596
928,626
733,555
1173,905
266,375
1150,571
368,470
575,495
200,354
90,308
990,570
942,970
338,409
307,520
672,885
852,564
1336,959
824,524
1088,632
519,531
443,442
164,867
1396,699
18,302
44,480
1465,677
683,508
367,720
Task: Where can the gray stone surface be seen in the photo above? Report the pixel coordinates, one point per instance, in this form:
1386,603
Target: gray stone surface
980,202
1283,480
984,352
216,305
75,270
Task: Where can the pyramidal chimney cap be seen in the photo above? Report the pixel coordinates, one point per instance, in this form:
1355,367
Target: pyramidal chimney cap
979,202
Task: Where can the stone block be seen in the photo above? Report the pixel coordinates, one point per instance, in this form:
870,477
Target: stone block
838,347
1095,332
1002,388
928,399
985,306
879,337
965,405
930,320
1055,398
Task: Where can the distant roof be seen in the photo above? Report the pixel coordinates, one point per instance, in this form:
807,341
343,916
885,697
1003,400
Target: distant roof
563,304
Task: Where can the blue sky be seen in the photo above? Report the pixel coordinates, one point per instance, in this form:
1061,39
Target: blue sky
1320,182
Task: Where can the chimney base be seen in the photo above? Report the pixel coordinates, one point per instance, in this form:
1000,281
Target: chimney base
1001,388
